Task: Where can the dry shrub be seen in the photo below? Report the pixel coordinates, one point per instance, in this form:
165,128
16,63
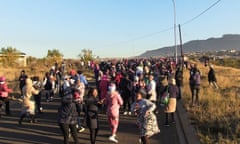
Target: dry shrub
217,117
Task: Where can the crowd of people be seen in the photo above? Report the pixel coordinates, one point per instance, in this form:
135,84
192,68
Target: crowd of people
133,87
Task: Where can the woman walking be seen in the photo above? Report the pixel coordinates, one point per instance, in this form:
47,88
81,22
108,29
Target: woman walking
68,114
147,121
79,96
113,102
92,104
103,86
28,107
4,91
171,106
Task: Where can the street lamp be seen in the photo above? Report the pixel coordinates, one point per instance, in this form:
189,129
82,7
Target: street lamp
175,29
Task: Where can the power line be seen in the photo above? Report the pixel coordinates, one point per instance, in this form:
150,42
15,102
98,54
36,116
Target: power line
194,18
170,28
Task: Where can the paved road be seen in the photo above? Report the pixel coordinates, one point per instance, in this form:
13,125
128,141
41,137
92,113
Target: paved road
46,130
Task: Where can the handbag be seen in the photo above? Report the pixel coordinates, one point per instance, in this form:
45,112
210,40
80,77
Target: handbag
165,97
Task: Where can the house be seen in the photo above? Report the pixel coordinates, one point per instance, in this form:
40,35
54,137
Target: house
21,58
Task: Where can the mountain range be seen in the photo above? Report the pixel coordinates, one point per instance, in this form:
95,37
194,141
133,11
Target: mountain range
226,42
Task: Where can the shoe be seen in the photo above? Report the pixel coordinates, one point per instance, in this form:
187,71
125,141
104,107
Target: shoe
129,113
82,129
139,141
166,125
113,139
173,122
69,133
125,113
41,110
34,121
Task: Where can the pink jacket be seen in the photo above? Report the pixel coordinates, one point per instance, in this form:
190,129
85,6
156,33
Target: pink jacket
113,102
4,90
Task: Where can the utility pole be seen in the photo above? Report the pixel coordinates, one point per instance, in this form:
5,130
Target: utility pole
175,29
181,45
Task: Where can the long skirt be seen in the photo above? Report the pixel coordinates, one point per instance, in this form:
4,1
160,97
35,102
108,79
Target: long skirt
148,125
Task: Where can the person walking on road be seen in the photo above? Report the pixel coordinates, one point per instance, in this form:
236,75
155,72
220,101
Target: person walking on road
92,105
113,102
48,86
28,107
170,108
4,93
22,81
147,121
126,88
79,96
103,86
68,114
179,81
152,90
38,97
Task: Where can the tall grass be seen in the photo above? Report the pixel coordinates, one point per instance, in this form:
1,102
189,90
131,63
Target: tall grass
217,118
38,67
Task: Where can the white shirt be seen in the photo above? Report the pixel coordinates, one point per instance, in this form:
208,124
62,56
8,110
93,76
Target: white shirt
152,90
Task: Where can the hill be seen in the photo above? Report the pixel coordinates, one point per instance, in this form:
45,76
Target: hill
226,42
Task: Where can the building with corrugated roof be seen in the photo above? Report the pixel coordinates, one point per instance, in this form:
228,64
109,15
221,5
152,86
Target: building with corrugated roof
21,58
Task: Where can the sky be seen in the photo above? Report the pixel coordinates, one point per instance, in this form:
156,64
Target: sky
110,28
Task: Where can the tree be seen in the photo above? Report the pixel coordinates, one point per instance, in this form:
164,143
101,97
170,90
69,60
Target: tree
54,55
86,55
9,56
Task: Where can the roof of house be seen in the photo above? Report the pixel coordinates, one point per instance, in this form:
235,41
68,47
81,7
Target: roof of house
17,51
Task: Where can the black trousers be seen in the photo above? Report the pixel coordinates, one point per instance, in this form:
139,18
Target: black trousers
65,130
93,135
145,140
48,94
127,101
166,117
37,99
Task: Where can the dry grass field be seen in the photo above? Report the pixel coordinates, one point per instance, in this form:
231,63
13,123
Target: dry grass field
217,118
37,68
